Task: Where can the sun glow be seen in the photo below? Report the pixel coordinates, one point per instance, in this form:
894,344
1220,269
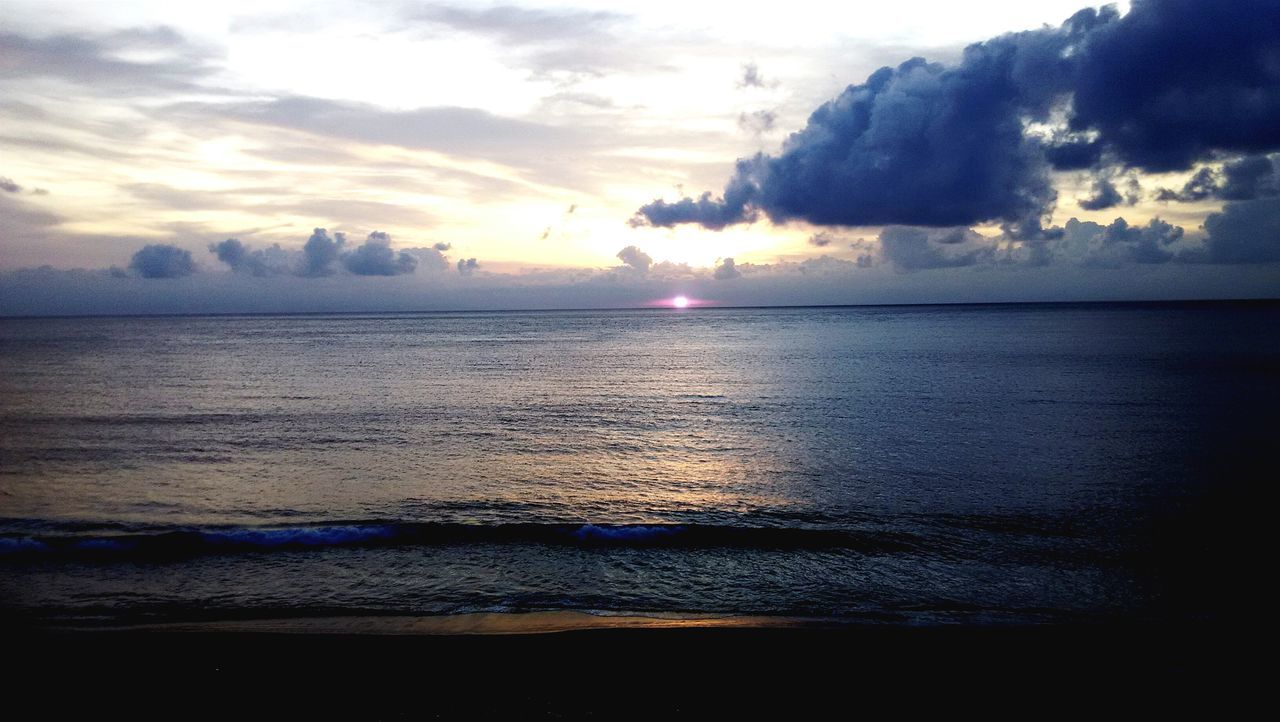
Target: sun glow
680,301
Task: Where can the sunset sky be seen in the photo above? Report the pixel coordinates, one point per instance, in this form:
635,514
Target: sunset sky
477,155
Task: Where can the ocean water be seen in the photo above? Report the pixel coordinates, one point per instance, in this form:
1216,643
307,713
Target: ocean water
971,464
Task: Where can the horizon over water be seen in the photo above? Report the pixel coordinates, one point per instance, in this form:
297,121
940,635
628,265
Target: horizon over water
980,464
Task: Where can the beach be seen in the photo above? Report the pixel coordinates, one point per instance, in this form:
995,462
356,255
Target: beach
606,667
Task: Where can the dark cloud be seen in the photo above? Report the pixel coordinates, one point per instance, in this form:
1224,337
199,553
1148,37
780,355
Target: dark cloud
953,236
1073,153
231,252
1202,185
1031,229
726,270
442,246
1106,195
8,186
1243,232
375,258
1249,178
822,239
321,253
467,266
1243,179
1175,80
323,256
924,144
258,262
713,213
1119,242
914,249
162,261
636,258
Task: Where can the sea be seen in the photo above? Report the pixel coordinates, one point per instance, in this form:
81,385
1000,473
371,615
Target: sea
903,465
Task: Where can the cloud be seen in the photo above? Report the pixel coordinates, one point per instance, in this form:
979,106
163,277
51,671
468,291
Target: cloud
1243,232
922,143
1173,81
321,252
324,256
713,213
1243,179
258,262
822,239
109,61
460,131
25,229
467,266
162,261
1068,153
925,144
1251,177
726,270
442,246
1204,184
375,258
914,249
1119,243
824,280
430,259
636,259
555,42
515,25
751,77
1106,195
1115,245
758,122
8,186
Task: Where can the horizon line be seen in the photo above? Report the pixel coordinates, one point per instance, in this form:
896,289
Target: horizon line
663,309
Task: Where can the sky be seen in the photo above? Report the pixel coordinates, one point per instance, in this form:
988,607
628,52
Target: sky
161,157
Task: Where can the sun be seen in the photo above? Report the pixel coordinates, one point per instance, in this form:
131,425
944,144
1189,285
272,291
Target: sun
680,301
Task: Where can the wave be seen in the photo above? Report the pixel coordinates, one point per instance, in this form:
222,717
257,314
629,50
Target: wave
198,541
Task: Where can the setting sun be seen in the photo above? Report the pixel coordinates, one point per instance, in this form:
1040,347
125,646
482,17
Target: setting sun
680,301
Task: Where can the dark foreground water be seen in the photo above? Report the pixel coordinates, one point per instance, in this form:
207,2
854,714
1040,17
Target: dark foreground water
916,464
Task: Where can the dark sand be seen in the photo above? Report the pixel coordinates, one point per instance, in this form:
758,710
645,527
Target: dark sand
572,665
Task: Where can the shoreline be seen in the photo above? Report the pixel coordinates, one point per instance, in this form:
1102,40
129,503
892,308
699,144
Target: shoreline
571,664
468,623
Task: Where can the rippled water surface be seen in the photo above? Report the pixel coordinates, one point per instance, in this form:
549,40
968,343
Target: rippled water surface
921,463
